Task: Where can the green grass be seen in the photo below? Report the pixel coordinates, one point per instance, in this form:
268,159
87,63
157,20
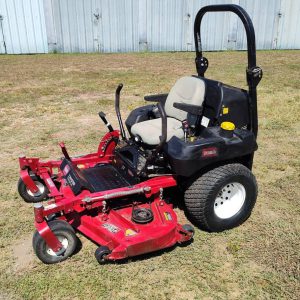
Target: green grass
48,98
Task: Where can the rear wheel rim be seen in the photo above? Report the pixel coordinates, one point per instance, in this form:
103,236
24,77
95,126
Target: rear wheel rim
41,189
229,200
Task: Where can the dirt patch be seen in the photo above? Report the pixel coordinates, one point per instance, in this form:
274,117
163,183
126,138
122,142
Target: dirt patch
7,296
92,96
23,254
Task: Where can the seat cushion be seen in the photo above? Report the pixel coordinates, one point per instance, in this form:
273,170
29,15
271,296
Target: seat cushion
189,90
151,130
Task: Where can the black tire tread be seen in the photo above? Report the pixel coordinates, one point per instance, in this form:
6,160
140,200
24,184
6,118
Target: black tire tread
203,187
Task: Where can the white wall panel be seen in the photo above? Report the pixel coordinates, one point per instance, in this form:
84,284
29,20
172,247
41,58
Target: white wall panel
289,25
23,26
39,26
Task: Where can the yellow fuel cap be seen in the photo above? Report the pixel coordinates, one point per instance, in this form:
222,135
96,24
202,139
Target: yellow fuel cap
227,126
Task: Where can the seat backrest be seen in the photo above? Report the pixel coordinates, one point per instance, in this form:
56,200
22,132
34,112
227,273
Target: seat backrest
190,90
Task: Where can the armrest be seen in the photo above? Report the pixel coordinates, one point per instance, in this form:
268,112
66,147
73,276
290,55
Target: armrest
190,108
156,98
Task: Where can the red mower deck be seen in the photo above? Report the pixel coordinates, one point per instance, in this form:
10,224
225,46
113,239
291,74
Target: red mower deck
90,212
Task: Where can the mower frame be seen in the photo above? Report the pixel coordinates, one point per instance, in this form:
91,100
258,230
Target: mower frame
88,210
73,209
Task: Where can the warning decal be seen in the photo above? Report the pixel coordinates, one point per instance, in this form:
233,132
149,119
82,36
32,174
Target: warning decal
225,110
110,227
130,232
168,216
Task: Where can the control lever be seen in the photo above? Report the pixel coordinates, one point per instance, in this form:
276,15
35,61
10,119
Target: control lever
103,118
64,151
117,108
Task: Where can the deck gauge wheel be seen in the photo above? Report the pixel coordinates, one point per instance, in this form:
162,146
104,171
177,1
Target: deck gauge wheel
189,228
101,254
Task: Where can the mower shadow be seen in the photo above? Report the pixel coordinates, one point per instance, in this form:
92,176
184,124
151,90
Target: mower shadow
175,196
78,247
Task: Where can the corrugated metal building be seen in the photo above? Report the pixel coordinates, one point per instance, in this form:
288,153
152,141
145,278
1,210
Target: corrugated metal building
22,27
41,26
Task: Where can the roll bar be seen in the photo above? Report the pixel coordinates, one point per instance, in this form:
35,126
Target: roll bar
242,14
253,73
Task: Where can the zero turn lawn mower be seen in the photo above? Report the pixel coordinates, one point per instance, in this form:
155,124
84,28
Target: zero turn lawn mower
200,138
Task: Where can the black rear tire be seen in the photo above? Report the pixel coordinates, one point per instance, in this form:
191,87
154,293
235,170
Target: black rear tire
28,196
202,196
65,233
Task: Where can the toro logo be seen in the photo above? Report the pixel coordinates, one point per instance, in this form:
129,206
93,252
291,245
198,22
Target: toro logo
209,152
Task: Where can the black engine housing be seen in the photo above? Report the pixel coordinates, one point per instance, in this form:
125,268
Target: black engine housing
187,158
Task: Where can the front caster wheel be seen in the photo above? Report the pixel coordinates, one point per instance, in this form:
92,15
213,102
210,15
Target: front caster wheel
101,254
65,234
29,196
222,198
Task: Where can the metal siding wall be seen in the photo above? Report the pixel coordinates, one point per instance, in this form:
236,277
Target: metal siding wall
23,25
34,26
289,25
2,42
93,25
264,15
